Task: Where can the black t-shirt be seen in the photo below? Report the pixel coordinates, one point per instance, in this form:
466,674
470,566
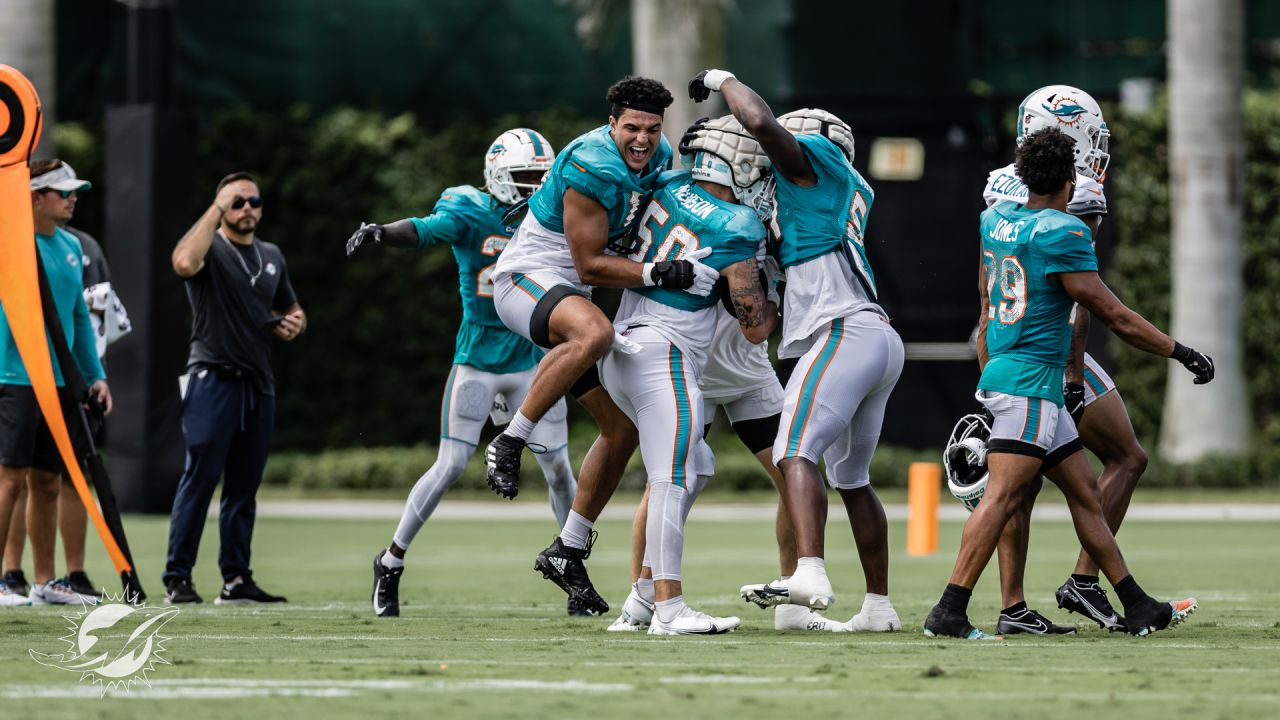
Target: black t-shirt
232,298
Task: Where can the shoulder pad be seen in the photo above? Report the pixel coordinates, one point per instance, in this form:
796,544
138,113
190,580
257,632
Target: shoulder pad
598,155
463,200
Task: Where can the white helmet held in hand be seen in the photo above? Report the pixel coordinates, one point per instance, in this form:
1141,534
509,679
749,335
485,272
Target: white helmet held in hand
812,121
1074,112
965,459
515,151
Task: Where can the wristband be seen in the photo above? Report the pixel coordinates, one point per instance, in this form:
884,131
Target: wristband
715,78
646,273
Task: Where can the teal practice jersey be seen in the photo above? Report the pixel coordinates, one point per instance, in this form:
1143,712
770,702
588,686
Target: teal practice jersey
1029,318
470,222
682,218
592,165
822,218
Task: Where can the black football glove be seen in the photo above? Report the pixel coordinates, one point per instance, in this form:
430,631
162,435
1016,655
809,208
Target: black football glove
1198,363
690,135
1073,393
703,83
366,233
674,275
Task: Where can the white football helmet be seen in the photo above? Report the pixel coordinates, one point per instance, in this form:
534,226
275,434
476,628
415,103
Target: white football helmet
812,121
723,152
1076,113
965,459
516,150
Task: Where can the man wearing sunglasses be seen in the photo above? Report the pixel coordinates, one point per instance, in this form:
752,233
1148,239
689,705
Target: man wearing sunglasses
240,296
28,456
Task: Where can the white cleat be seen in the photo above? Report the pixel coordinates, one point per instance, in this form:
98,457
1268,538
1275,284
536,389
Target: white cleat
692,622
636,614
798,617
9,598
767,595
879,618
59,592
811,588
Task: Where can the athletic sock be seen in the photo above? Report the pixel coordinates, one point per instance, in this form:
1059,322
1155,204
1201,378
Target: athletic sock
644,588
520,426
1129,592
1015,609
813,563
391,561
1084,579
956,598
669,610
872,600
576,531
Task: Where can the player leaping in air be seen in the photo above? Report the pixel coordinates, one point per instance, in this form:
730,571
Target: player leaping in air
850,357
567,244
1036,260
489,360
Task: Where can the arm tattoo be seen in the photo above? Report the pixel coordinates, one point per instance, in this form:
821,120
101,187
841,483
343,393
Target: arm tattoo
747,295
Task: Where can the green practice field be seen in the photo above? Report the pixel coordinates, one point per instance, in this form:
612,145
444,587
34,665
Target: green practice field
483,636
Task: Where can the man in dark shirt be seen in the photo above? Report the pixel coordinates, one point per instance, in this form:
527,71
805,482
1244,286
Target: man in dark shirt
240,295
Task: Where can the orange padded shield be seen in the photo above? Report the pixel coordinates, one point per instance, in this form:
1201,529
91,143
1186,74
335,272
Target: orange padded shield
19,287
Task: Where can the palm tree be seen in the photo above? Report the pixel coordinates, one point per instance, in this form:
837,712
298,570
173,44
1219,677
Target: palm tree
1206,133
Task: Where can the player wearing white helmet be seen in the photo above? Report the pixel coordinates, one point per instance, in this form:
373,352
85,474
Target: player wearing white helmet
1091,395
850,356
492,366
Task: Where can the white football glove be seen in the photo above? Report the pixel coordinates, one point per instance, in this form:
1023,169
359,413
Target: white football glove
623,345
704,276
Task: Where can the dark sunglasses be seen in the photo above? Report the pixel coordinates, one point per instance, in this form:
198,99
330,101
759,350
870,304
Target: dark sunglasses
254,201
64,194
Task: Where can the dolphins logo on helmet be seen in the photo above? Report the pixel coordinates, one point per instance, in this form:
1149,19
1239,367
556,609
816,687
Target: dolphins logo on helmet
516,150
965,459
1076,113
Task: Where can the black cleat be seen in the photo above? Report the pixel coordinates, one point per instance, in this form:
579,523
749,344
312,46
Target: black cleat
179,591
246,592
80,583
1090,600
575,608
564,566
386,588
16,581
1151,615
1031,622
502,465
944,623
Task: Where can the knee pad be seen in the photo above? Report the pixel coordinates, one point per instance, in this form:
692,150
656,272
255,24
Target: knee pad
540,321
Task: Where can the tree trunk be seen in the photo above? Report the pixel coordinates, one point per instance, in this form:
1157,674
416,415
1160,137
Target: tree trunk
1206,133
27,42
671,41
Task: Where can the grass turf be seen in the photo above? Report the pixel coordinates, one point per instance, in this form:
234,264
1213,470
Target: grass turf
483,636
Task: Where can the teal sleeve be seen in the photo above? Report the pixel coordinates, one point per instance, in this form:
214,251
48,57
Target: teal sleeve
593,182
85,349
823,154
746,231
1068,249
440,227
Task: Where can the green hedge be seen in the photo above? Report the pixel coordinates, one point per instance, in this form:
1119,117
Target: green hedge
1140,271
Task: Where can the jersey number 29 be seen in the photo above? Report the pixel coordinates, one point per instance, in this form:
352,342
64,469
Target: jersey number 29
1013,288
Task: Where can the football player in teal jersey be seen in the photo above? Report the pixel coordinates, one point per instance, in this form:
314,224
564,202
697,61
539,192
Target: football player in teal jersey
568,243
1036,261
1091,396
489,360
657,386
850,356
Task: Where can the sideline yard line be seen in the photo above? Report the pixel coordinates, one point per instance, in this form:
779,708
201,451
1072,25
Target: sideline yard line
351,509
